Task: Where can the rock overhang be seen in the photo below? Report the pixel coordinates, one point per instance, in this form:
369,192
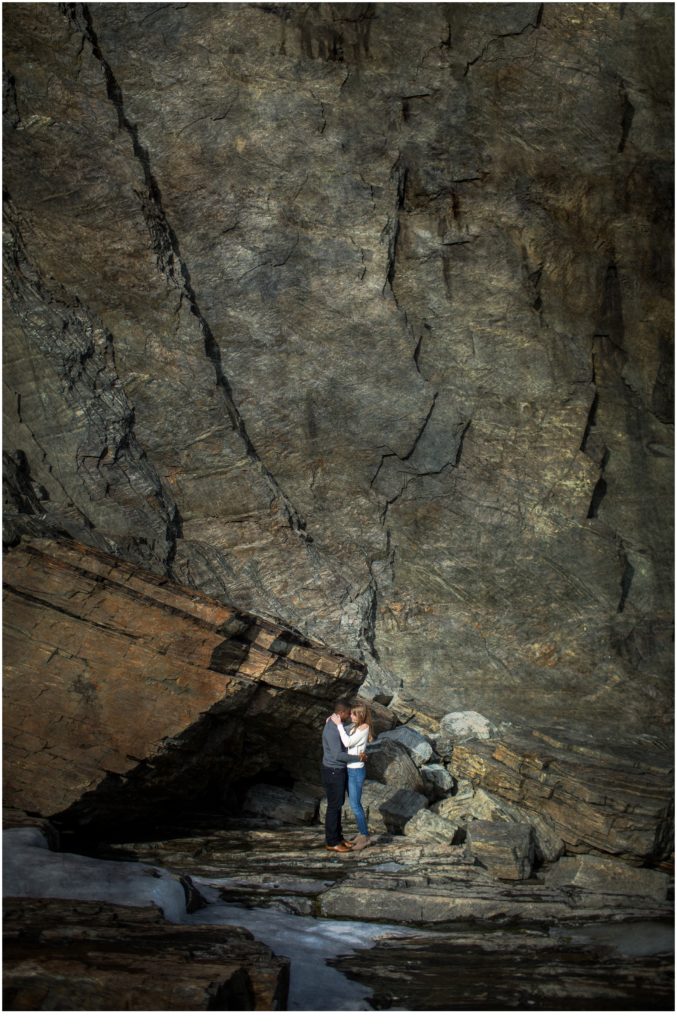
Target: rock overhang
121,682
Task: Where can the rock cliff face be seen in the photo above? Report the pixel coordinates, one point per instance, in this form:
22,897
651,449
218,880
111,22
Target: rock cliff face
358,316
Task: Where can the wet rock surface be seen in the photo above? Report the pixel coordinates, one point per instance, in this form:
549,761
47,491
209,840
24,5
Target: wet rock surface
426,916
612,968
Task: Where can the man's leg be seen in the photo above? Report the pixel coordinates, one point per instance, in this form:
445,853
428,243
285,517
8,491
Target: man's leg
334,780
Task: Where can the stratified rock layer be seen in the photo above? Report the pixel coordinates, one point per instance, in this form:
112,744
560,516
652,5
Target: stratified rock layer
359,316
72,955
585,796
125,692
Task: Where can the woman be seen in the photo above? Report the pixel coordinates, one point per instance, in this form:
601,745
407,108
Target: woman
355,742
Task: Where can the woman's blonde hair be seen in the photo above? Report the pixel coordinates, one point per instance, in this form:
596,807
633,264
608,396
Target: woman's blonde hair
363,715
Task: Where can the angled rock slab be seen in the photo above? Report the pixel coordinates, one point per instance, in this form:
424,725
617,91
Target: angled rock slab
609,875
108,667
390,764
506,850
592,798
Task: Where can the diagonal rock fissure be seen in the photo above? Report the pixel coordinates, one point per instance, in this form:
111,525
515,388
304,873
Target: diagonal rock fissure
410,472
533,25
168,253
392,228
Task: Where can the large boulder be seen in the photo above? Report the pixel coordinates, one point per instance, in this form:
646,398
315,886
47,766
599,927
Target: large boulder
416,745
400,808
438,780
505,850
468,805
390,764
429,827
465,725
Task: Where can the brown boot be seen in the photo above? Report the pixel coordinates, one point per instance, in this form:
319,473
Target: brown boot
360,842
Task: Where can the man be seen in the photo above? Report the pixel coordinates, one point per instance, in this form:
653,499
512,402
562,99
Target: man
335,778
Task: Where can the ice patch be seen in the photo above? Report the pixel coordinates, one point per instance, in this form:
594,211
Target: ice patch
30,869
308,943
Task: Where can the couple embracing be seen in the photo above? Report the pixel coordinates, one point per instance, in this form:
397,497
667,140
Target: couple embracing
344,740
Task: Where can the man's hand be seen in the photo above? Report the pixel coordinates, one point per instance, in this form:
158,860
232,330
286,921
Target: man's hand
363,756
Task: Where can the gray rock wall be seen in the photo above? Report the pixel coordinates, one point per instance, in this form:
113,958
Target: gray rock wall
359,316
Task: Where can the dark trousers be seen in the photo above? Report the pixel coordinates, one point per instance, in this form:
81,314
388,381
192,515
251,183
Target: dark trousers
334,781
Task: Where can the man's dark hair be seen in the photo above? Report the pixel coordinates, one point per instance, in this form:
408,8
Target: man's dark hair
342,705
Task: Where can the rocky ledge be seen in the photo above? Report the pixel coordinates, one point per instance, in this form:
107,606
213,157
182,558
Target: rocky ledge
77,955
401,879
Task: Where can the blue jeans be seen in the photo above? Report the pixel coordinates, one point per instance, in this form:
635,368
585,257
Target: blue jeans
356,777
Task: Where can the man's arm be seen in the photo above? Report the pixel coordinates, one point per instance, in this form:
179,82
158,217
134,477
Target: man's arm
333,745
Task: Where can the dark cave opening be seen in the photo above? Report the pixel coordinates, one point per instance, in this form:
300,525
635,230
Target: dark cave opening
198,784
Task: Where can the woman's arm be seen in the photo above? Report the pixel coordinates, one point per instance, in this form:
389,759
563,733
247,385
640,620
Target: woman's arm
354,738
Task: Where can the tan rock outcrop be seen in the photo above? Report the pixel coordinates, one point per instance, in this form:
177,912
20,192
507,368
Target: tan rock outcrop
122,681
592,799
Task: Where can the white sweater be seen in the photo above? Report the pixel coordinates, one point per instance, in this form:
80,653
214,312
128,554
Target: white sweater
356,741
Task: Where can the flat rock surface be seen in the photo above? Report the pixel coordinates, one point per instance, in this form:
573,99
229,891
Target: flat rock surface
611,968
395,878
420,905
